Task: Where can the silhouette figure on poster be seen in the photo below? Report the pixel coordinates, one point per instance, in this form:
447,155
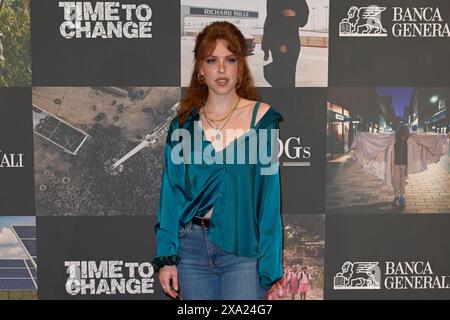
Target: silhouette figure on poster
282,39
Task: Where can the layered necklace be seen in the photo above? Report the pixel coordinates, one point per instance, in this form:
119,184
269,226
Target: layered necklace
216,128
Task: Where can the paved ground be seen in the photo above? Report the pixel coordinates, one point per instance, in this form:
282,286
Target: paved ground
350,189
312,65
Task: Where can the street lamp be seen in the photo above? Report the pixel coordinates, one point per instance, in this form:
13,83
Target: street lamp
313,8
326,18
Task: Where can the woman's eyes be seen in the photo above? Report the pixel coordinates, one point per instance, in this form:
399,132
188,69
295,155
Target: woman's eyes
213,61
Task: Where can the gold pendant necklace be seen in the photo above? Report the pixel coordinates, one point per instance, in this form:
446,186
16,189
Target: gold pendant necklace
218,135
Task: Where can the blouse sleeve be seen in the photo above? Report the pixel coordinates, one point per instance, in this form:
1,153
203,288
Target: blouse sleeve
170,202
270,226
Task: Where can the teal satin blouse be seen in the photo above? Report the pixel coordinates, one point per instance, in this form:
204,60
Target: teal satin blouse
246,218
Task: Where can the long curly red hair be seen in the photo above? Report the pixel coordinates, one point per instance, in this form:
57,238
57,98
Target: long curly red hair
197,93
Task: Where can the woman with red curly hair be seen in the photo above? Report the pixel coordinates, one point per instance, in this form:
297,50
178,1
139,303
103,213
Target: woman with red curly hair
219,231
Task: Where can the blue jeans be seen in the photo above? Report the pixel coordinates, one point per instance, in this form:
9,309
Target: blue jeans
207,272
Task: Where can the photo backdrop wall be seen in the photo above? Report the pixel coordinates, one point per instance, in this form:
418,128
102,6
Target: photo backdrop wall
85,83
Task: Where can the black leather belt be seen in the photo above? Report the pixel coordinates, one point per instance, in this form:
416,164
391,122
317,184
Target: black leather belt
201,221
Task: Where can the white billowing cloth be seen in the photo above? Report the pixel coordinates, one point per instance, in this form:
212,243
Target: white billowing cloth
375,152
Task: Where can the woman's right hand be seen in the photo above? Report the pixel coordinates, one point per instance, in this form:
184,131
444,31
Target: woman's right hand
168,277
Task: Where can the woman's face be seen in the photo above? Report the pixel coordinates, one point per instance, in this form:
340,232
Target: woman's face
220,69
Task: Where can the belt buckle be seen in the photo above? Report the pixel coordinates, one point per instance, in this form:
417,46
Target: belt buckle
204,225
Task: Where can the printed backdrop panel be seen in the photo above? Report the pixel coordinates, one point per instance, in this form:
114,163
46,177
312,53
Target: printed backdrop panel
389,42
302,132
97,258
131,42
387,257
16,152
99,150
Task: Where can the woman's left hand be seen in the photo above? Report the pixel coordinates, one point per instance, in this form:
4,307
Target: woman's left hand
168,277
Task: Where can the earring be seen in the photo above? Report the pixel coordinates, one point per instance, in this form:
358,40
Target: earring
200,78
238,82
